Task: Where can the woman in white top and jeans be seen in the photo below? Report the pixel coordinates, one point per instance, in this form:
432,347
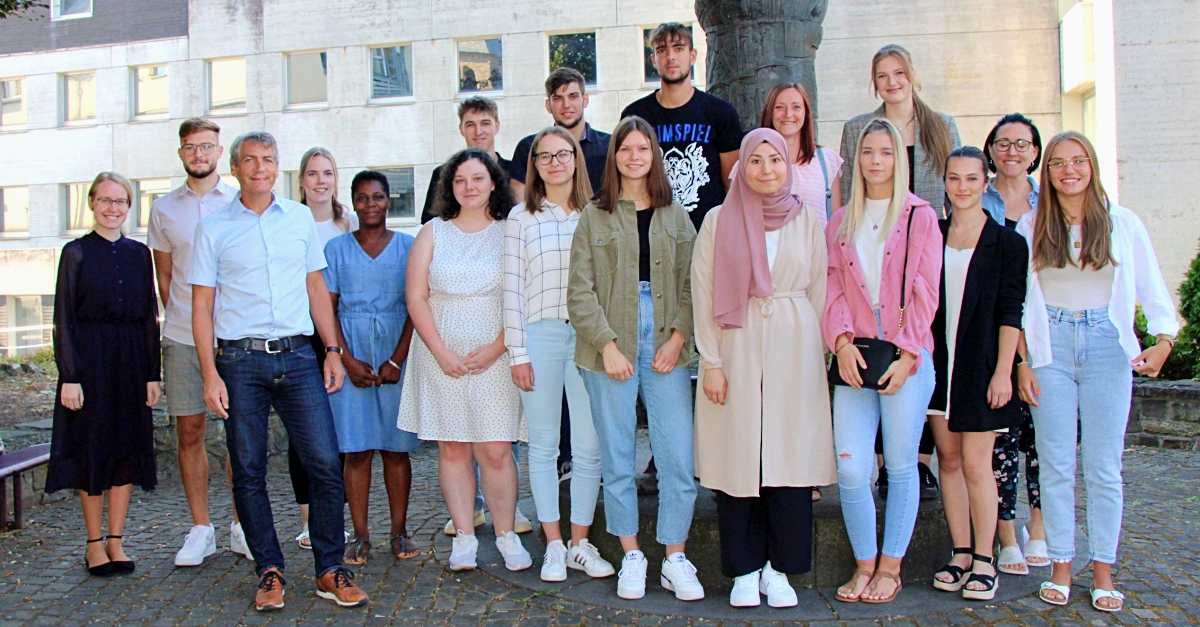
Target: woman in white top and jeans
1092,262
541,344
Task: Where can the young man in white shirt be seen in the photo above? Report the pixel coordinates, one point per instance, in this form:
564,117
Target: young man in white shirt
173,220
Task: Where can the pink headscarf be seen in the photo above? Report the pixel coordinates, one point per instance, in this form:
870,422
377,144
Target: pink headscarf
740,268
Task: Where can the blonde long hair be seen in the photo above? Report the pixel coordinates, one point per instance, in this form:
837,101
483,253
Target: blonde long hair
1052,234
535,187
339,210
934,133
858,186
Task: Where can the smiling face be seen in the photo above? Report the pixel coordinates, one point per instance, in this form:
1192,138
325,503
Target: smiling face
673,58
877,158
319,180
110,204
634,156
567,104
892,82
1011,162
556,172
256,168
1070,179
479,128
966,180
200,152
371,203
766,170
788,115
472,185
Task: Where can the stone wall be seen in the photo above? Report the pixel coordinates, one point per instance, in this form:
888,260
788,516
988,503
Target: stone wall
1165,414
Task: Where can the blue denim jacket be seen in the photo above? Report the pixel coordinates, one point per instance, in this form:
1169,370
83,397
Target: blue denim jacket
993,202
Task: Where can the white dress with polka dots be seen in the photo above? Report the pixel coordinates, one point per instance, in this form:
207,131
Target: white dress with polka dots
465,296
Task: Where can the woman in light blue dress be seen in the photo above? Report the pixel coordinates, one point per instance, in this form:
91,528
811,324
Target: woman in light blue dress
365,276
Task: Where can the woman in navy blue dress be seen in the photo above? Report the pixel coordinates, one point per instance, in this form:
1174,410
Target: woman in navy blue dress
106,345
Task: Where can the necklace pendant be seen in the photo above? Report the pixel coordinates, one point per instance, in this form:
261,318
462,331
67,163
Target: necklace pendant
1077,244
875,228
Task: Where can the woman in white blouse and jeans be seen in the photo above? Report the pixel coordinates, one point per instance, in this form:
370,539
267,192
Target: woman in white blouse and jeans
1092,262
541,344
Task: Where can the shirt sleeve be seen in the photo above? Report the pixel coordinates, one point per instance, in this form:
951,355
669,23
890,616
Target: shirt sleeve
729,129
518,167
315,258
331,269
66,295
156,238
203,269
514,290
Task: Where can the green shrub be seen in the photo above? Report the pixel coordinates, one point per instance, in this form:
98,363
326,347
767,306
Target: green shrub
1184,362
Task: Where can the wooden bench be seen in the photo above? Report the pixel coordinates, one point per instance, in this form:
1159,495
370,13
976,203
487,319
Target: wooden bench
12,464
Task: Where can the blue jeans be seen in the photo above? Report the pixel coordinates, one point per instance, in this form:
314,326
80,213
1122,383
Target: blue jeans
857,416
290,382
668,400
551,346
1089,380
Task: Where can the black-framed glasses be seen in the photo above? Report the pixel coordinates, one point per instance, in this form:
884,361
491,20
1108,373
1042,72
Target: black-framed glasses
1059,164
204,149
563,156
1022,145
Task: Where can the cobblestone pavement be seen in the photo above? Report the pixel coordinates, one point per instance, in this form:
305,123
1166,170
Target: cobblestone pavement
42,581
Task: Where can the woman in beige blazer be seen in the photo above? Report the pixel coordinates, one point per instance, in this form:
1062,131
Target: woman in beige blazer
764,435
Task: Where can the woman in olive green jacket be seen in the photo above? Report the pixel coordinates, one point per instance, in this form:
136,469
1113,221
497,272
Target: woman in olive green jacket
629,298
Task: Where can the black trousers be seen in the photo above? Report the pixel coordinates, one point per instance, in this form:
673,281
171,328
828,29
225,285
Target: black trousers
775,526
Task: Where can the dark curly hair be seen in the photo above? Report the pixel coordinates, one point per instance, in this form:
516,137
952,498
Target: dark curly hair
500,202
1014,118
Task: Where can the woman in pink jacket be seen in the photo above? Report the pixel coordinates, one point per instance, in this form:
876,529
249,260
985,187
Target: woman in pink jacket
884,269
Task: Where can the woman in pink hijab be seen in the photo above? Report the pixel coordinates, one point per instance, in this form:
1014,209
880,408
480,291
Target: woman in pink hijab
764,436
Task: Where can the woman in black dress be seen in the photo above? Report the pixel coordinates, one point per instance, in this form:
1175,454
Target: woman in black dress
106,345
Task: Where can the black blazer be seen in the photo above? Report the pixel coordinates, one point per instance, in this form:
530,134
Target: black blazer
993,296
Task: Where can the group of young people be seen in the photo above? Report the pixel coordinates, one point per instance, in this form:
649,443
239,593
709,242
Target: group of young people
914,274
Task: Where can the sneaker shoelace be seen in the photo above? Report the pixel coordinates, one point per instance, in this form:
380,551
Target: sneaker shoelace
632,568
586,553
509,544
342,579
685,572
195,535
268,581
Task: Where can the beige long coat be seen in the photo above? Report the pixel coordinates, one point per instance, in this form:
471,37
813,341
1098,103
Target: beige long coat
776,418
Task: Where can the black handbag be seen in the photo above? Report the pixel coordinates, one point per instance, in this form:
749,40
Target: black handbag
879,354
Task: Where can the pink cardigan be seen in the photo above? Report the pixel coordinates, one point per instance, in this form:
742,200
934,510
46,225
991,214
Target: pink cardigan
848,306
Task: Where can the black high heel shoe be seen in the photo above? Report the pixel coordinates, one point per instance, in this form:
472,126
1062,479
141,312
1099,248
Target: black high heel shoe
107,569
123,566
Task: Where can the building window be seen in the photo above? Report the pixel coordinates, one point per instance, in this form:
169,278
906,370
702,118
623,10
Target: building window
391,72
150,96
227,85
12,102
480,65
70,9
1089,116
148,191
307,78
648,69
404,200
23,319
14,219
79,97
78,214
576,50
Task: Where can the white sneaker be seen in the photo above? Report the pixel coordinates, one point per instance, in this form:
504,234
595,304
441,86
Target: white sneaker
745,591
450,530
237,541
200,542
775,585
554,565
585,557
631,582
462,555
521,524
679,576
514,553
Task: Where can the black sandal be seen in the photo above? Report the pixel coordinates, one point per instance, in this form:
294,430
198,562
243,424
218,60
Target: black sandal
988,593
958,572
107,569
123,566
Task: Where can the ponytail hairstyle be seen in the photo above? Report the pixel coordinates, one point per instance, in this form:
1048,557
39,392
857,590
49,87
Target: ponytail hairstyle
339,210
934,133
966,152
808,133
857,207
1052,234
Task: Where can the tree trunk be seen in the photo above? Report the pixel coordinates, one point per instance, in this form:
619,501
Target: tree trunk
754,45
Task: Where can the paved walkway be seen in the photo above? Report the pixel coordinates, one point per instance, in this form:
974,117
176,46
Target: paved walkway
42,580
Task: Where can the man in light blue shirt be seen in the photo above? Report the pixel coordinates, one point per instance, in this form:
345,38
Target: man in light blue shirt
262,256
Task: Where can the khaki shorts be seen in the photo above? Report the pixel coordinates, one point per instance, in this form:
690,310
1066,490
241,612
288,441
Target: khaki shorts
182,383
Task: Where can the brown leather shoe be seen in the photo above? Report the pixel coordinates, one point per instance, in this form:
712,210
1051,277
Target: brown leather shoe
338,586
270,591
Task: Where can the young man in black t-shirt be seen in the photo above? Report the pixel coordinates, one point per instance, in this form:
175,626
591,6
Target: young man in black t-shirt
699,133
478,123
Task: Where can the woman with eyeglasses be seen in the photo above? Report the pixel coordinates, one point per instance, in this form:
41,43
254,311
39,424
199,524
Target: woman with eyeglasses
1014,150
541,345
1092,264
106,346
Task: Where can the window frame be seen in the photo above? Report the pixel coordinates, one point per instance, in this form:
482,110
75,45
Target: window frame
24,106
6,234
133,220
401,222
656,82
57,16
287,82
209,111
494,94
65,211
595,51
65,104
134,96
372,99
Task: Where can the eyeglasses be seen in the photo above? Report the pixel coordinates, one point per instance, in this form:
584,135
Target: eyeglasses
105,203
563,156
204,149
1059,164
1022,145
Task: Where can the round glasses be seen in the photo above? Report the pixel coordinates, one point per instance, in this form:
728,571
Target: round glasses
562,156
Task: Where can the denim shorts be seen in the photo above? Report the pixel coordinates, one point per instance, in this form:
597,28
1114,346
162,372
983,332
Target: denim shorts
182,383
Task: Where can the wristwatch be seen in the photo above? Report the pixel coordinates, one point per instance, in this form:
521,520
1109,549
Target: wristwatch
1168,338
333,349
